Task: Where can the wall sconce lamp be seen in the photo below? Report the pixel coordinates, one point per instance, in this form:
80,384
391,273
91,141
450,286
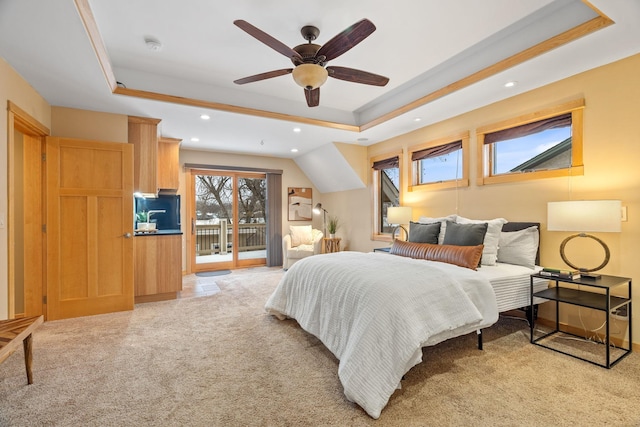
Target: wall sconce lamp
318,209
585,216
399,215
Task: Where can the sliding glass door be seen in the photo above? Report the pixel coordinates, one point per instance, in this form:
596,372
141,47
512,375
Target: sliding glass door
228,220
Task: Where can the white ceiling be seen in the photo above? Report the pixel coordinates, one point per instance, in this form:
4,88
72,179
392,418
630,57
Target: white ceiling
421,45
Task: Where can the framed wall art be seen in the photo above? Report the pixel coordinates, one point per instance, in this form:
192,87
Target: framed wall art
300,204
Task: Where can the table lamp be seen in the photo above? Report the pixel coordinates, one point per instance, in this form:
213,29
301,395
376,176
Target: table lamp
398,215
585,216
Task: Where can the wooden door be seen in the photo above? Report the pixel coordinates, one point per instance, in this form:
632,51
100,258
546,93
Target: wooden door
89,227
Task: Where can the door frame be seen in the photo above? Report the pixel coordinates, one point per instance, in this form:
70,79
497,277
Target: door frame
192,267
19,120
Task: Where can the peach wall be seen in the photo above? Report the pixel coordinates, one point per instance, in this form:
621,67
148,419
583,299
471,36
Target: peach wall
611,155
15,89
93,125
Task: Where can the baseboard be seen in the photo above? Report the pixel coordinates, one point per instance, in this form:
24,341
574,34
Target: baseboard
155,297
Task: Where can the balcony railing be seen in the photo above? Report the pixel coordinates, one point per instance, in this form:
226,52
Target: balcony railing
211,239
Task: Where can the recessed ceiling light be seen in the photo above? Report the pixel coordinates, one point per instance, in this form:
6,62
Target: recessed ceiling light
297,130
195,139
417,119
205,116
510,84
294,150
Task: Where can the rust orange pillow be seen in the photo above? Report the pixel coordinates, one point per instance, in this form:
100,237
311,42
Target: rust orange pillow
463,256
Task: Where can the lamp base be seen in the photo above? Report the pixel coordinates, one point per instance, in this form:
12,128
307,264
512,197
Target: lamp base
587,273
406,233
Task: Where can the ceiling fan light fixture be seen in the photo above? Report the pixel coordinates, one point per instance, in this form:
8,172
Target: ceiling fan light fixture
310,76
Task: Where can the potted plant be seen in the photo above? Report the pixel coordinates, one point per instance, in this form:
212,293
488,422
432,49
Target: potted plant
332,226
142,218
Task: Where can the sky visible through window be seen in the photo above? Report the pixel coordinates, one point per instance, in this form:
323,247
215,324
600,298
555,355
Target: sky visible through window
442,168
514,152
509,154
394,176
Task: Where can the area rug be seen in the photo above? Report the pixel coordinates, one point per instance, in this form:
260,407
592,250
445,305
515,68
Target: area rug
213,273
220,360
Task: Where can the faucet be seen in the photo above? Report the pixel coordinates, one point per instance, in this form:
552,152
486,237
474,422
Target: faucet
154,211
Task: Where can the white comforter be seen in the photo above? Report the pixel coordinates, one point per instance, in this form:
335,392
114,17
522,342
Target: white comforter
376,311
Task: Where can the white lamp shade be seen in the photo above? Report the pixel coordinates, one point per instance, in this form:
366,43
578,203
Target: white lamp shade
584,215
398,215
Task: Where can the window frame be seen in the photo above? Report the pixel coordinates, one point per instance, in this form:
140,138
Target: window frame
485,155
376,232
452,183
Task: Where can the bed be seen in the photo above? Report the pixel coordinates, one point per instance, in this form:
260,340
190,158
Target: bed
376,311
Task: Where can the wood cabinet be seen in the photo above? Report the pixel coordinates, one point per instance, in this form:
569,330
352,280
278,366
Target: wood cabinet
158,267
168,170
156,158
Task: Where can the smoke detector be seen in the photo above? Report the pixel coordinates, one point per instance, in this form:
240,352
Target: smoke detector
152,44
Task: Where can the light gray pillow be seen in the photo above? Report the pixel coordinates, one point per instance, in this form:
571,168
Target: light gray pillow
491,238
519,247
443,223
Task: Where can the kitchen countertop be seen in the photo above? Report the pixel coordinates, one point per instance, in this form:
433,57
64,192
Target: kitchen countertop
158,233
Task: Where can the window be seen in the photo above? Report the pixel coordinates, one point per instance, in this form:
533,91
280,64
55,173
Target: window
540,145
441,164
386,187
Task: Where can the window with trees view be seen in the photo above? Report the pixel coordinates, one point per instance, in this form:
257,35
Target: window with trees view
230,224
540,145
215,198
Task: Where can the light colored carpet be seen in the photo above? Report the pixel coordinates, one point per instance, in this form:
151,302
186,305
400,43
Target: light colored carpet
221,361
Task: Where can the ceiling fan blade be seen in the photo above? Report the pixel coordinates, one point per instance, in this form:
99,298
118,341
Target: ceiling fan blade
313,97
357,76
346,39
265,38
263,76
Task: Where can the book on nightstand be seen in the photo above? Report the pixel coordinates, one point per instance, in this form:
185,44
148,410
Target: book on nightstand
562,274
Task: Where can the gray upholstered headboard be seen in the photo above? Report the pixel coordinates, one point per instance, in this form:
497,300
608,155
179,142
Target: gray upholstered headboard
515,226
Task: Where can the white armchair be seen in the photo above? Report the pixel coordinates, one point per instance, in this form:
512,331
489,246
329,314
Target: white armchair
301,242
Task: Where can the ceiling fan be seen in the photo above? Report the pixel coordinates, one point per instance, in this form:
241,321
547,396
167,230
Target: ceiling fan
309,59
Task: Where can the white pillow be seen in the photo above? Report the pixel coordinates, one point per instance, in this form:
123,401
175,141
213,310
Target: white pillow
300,235
491,238
519,247
442,221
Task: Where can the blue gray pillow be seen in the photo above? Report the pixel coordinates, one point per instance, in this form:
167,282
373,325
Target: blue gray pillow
424,233
464,234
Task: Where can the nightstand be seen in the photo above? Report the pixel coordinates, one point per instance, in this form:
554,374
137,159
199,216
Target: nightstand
590,293
331,244
383,250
